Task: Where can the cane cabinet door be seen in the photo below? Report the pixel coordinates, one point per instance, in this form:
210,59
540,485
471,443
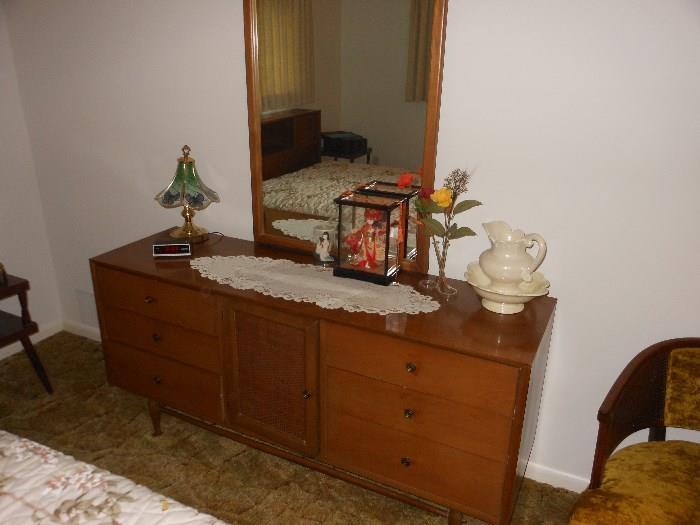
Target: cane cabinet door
273,387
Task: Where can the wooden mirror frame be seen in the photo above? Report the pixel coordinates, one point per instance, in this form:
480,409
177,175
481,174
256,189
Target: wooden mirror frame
432,117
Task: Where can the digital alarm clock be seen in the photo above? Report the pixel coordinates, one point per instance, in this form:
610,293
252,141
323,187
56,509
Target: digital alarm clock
162,249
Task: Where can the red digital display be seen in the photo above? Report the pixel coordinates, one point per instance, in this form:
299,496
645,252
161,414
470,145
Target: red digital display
171,250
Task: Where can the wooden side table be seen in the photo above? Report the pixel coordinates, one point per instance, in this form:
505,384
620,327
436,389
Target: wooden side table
19,328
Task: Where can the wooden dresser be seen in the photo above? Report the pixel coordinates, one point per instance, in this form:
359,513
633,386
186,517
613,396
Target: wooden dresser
291,140
437,409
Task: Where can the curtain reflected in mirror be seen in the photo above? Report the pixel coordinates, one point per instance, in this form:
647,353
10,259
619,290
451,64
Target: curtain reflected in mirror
418,65
285,53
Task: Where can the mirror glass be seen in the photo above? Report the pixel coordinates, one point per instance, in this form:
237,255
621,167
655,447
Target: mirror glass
342,100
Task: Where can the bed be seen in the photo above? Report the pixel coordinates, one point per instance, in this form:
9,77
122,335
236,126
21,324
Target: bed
42,486
309,192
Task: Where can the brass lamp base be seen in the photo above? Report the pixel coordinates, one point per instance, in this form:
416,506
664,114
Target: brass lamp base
189,231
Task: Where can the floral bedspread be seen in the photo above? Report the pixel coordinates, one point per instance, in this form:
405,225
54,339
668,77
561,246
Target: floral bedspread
312,190
39,485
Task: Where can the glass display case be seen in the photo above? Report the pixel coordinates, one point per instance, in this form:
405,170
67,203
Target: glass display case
370,236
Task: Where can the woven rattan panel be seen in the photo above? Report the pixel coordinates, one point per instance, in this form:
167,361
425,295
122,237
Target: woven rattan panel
271,373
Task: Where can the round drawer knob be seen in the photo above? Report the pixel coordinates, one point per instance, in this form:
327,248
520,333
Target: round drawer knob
408,413
156,338
306,394
406,462
157,380
149,300
411,368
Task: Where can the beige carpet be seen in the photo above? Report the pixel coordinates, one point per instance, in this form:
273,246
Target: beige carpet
110,428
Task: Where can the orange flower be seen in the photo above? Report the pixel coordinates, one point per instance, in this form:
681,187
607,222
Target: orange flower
405,179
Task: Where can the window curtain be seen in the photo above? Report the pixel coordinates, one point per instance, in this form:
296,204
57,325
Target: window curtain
419,50
285,53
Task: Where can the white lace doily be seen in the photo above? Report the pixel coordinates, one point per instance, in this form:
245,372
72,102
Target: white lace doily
312,284
302,228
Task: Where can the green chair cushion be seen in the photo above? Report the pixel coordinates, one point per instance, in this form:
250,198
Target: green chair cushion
650,483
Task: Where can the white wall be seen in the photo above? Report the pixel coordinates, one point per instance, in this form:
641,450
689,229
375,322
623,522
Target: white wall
374,53
360,51
112,91
327,86
583,121
582,118
24,245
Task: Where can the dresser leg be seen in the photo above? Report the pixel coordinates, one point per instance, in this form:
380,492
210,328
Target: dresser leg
36,364
454,517
154,411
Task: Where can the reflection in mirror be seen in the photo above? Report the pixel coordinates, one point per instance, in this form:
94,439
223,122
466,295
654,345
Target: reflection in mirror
342,87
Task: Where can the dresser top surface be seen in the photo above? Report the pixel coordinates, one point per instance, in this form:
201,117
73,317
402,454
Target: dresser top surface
460,325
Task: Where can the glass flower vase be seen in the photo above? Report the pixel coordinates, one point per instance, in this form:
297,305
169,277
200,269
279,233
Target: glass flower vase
429,283
442,286
438,283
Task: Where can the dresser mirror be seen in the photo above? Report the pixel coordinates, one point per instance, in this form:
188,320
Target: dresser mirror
340,93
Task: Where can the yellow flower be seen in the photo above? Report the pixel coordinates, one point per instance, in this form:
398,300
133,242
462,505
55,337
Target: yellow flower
442,197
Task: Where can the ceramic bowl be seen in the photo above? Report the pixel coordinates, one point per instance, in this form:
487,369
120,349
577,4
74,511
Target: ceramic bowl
505,302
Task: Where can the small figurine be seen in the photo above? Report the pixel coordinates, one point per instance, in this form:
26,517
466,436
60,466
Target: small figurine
323,248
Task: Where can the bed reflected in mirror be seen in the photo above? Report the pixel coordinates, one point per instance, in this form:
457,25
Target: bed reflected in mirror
341,93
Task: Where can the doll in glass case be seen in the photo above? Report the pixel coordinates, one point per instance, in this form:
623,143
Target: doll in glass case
366,250
366,242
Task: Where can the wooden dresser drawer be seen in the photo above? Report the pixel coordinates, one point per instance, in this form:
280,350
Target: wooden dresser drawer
176,385
464,379
461,426
167,340
177,305
443,474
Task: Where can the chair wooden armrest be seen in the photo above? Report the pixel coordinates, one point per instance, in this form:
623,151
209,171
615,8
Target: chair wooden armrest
635,402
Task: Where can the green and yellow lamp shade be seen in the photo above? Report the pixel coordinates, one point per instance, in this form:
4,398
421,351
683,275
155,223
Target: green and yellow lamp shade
187,190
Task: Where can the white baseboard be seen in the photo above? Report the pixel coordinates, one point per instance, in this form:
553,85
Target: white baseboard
84,330
46,330
556,478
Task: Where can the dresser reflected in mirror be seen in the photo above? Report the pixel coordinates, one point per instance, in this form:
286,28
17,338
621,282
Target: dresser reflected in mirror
340,93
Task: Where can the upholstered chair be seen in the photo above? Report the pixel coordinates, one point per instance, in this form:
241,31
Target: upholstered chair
656,482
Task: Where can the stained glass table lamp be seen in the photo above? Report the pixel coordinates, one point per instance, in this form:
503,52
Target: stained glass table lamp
187,190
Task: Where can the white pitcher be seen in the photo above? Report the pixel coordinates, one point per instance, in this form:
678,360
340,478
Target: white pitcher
507,263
